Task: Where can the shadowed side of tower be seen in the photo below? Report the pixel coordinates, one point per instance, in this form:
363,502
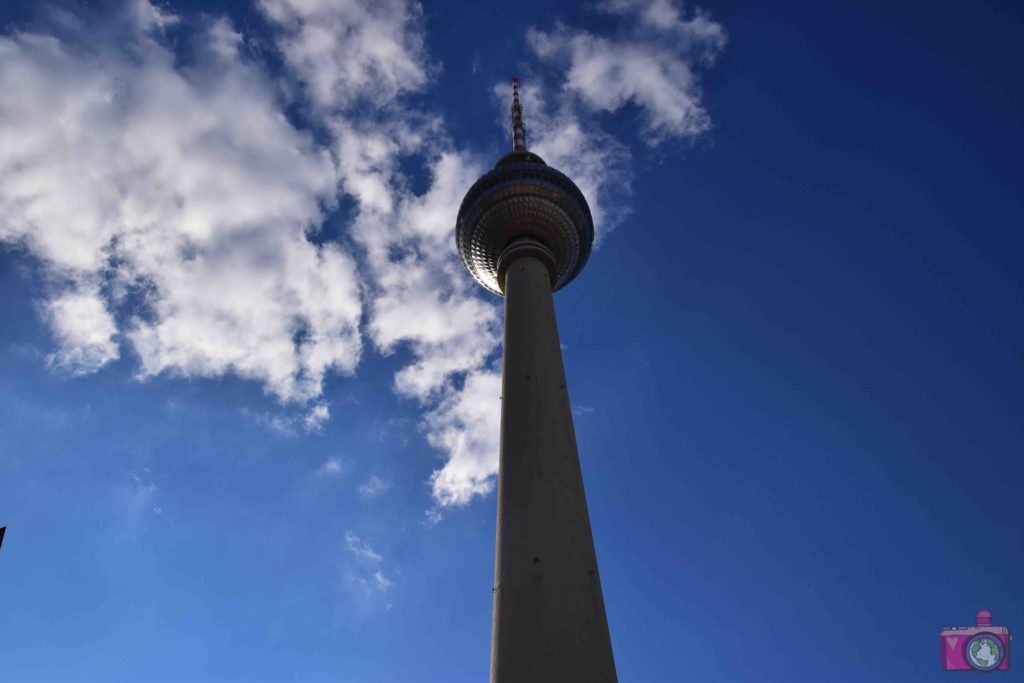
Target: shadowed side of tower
525,230
549,618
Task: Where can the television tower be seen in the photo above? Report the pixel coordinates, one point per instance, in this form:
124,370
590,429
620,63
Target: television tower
524,231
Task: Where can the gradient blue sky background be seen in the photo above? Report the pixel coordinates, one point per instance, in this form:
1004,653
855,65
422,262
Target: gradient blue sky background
797,364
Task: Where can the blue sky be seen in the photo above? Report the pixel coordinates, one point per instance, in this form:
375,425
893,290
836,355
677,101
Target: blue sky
247,406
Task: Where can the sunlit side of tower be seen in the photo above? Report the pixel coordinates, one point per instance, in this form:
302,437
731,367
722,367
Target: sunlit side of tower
525,231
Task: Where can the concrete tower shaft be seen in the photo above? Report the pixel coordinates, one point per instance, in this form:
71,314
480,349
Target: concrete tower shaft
549,620
524,230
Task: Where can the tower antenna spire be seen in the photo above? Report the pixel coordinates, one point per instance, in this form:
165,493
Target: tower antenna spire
518,127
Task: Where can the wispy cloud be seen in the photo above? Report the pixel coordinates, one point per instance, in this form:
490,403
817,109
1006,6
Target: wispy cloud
159,512
142,494
291,423
360,549
331,468
366,572
137,500
381,582
373,487
313,421
653,63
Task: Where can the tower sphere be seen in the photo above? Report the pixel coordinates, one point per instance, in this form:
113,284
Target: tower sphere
523,201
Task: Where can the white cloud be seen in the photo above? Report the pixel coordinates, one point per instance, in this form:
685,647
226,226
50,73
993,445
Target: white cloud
146,16
281,423
424,301
381,582
331,468
365,572
698,35
174,206
347,50
423,298
433,516
189,195
655,65
465,426
84,329
316,417
373,487
360,549
369,584
420,300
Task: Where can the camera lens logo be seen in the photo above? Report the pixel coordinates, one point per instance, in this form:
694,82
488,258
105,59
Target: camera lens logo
982,647
985,652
